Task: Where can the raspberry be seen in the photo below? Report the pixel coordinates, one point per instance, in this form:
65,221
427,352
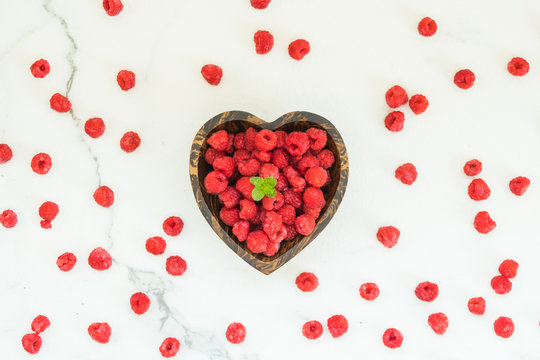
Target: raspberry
249,167
245,187
427,27
175,265
269,170
293,198
100,332
312,329
8,219
288,214
406,173
48,212
173,226
472,167
60,103
273,204
264,42
307,162
130,141
337,325
41,163
396,96
509,268
272,248
66,261
257,241
369,291
464,79
212,154
240,155
263,156
518,66
314,197
316,176
311,211
326,158
298,183
229,215
230,197
282,184
169,347
156,245
291,232
31,343
477,305
139,303
427,291
248,209
478,190
483,222
299,48
241,230
225,164
40,324
307,281
230,144
438,322
251,133
281,136
519,185
317,138
418,104
280,159
112,7
104,196
219,140
215,182
392,338
501,285
100,259
271,223
212,74
125,79
394,121
94,127
5,153
504,327
290,172
260,4
236,333
388,236
240,141
304,224
40,68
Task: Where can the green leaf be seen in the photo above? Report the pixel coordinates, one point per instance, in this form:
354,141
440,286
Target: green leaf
256,181
272,193
257,194
272,181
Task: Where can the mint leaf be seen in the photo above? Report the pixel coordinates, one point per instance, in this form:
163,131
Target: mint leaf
256,181
257,194
272,193
272,181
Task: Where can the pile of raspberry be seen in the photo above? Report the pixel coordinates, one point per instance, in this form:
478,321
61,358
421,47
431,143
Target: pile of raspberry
298,161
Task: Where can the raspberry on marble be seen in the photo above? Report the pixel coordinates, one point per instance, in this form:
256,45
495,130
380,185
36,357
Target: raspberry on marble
212,74
173,225
427,291
501,285
66,261
60,103
394,121
41,163
438,322
307,281
8,218
519,185
509,268
427,27
104,196
312,329
31,343
483,223
100,332
504,327
40,324
477,305
100,259
478,190
94,127
113,7
125,79
337,325
388,236
406,173
40,68
169,347
175,265
418,104
299,48
236,333
5,153
48,212
464,79
156,245
473,167
140,303
396,96
518,66
130,141
369,291
392,338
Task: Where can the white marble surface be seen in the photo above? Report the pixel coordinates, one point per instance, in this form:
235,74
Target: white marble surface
359,49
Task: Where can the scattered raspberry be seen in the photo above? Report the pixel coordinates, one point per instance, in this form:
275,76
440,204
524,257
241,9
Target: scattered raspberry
41,163
394,121
169,347
260,4
518,66
31,343
236,333
156,245
94,127
219,140
396,96
48,212
130,141
139,303
297,143
504,327
257,241
100,332
5,153
241,229
501,285
337,325
316,176
392,338
464,79
438,322
175,265
298,49
473,167
104,196
66,261
100,259
125,79
509,268
212,74
427,291
264,42
483,222
8,219
40,68
40,324
173,226
388,236
215,182
312,329
307,281
427,27
478,190
60,103
314,197
113,7
477,305
369,291
326,158
317,137
406,173
304,224
418,104
519,185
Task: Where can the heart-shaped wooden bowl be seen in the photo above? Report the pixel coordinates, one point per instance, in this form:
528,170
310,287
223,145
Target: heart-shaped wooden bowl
238,121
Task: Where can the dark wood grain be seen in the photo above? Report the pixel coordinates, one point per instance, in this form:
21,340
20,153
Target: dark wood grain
238,121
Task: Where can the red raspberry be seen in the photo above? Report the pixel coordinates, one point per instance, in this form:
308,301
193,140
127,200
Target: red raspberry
519,185
273,204
260,4
113,7
268,170
298,49
262,156
241,230
504,327
31,343
94,127
264,42
66,261
279,237
175,265
307,281
317,138
257,241
251,133
125,79
478,190
394,121
230,197
40,324
40,68
314,197
272,223
240,141
418,104
518,66
388,236
100,332
169,347
212,74
60,103
5,153
483,222
240,155
272,248
311,211
225,164
130,141
219,140
248,209
173,226
280,158
298,183
48,212
297,143
230,144
290,172
229,215
406,173
215,182
236,333
41,163
281,136
304,224
100,259
337,325
326,158
212,154
312,329
293,198
464,79
316,176
392,338
306,162
8,219
427,27
104,196
396,96
438,322
139,303
477,305
501,285
291,232
473,167
156,245
249,167
282,184
288,214
509,268
427,291
369,291
245,187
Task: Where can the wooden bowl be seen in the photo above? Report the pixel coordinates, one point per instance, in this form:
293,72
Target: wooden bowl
238,121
